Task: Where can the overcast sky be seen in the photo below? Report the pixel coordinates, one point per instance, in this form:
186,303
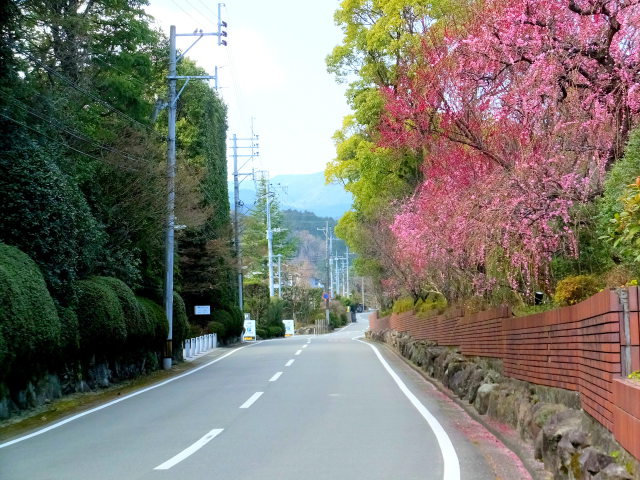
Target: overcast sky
272,71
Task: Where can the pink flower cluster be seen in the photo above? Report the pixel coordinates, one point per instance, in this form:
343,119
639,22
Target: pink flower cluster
520,113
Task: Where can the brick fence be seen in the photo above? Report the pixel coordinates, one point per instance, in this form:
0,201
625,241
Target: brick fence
585,348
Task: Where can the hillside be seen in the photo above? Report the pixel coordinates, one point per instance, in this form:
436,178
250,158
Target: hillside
303,193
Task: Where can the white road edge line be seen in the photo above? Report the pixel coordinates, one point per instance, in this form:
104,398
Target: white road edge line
298,352
275,377
113,402
187,452
251,400
289,363
449,456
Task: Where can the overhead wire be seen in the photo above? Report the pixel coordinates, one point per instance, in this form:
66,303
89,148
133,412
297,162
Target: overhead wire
90,94
75,133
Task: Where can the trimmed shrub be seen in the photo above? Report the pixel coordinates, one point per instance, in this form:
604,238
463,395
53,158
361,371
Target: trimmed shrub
180,323
217,328
156,317
30,329
403,304
69,333
262,332
46,216
139,329
232,328
572,290
275,331
434,302
100,318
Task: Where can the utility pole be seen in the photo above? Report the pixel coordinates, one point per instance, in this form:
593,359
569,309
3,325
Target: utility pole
237,203
269,241
279,275
171,166
331,277
347,273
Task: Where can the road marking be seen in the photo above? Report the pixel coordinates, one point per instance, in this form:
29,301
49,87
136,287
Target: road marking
308,340
305,345
187,452
126,397
251,400
298,352
289,363
449,456
275,377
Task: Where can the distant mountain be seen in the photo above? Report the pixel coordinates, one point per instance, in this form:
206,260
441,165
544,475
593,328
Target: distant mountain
303,193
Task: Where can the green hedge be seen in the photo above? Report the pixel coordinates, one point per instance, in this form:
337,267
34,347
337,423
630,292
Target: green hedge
181,325
30,329
138,326
156,316
100,317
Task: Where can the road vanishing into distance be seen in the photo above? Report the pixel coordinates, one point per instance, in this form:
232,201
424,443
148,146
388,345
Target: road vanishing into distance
312,407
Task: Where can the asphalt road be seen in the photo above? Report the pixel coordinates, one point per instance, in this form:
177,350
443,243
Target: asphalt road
312,407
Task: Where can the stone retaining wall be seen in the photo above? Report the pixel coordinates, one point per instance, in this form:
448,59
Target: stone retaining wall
584,348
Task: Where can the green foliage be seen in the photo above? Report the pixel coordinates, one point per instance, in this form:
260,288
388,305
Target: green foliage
155,315
572,290
101,320
181,325
434,302
634,375
276,331
218,328
256,299
138,326
30,329
404,304
232,324
262,333
254,241
46,216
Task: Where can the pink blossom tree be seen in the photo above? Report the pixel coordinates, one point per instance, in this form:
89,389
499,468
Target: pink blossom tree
519,112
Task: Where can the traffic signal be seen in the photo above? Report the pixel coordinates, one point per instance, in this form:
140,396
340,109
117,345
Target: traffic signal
222,32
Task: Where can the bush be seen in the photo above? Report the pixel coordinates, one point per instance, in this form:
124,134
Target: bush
232,327
100,318
155,315
572,290
276,331
139,328
30,329
46,216
217,328
404,304
70,335
181,325
262,332
434,302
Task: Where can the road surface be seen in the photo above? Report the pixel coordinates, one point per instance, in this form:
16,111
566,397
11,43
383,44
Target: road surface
312,407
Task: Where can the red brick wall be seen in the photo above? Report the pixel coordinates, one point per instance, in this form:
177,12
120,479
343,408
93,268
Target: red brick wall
576,348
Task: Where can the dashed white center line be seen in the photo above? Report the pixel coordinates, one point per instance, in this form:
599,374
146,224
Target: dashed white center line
305,345
190,450
275,377
251,400
289,363
298,352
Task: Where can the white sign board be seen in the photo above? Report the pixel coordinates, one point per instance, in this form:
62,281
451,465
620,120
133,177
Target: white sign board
288,328
249,331
203,309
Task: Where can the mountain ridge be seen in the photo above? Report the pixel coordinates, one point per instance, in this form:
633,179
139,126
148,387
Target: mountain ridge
302,192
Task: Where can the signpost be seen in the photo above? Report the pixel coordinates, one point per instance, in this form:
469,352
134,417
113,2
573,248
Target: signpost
203,309
249,330
289,330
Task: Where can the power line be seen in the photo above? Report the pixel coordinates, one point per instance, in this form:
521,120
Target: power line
90,94
48,137
75,133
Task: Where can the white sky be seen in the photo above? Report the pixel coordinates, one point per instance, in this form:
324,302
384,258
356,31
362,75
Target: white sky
272,71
